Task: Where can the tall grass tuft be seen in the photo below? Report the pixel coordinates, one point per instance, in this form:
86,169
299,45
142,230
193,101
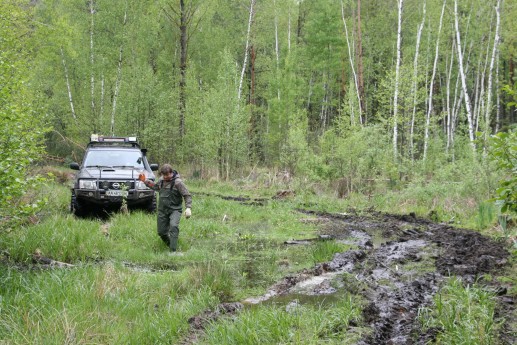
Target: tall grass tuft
462,314
486,215
301,324
323,251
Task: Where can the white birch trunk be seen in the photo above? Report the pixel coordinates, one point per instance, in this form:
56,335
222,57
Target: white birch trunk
289,31
449,107
70,99
397,72
92,79
431,86
414,86
463,78
490,71
250,20
117,83
356,83
477,87
498,99
101,110
277,53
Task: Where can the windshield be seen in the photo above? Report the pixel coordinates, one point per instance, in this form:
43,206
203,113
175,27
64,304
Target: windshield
115,158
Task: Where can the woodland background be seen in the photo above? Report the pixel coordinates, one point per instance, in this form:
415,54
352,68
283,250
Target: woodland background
355,94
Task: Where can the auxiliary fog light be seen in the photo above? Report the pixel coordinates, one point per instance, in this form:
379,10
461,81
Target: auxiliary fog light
90,194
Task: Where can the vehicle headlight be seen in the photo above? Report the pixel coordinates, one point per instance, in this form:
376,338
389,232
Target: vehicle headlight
140,185
87,184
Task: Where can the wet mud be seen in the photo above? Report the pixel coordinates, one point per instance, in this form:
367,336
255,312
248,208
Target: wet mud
397,264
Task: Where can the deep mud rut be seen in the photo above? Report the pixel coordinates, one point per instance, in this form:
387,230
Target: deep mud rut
399,263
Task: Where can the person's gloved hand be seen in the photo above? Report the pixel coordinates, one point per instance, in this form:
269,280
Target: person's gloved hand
188,213
141,177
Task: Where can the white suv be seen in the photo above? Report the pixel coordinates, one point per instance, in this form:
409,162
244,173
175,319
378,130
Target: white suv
108,176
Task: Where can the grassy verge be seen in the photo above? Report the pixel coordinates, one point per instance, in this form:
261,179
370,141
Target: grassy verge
125,289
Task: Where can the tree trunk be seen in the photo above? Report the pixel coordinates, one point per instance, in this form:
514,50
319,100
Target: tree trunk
183,68
185,15
289,31
449,106
397,72
431,86
92,78
356,83
101,106
498,99
70,99
117,83
250,20
414,86
468,107
490,71
360,62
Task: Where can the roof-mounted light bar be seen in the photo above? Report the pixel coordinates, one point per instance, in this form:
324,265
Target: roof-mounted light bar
102,139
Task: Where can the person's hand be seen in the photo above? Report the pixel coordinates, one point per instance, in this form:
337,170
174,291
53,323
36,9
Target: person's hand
141,177
188,213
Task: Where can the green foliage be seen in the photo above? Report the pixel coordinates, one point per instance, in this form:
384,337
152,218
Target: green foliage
503,151
356,154
22,125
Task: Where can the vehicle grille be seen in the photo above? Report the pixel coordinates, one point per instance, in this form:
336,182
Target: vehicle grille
118,185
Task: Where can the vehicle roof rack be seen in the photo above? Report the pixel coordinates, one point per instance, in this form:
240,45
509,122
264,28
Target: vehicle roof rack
101,140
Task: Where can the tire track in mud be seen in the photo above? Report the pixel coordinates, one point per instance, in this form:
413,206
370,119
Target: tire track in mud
400,263
399,271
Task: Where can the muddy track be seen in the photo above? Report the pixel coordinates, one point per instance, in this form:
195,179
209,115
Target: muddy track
398,264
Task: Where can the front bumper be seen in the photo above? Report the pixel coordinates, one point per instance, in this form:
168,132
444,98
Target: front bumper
102,197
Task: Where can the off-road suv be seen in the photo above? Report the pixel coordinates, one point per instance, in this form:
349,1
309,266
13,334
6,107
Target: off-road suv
108,176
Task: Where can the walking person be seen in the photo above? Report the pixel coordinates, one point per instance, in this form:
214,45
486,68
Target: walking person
172,192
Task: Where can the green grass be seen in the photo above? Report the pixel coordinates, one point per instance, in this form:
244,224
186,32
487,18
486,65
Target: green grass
324,250
463,314
105,304
299,325
124,288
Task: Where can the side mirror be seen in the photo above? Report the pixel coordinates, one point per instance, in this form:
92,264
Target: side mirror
154,167
74,166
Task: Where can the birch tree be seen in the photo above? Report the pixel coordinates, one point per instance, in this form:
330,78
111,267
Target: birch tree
359,53
250,20
92,77
356,83
69,89
414,85
466,96
119,78
431,86
397,72
490,72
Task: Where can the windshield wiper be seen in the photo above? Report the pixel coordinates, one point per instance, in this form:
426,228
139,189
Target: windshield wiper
98,166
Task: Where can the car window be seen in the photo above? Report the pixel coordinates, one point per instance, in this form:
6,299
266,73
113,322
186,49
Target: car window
116,158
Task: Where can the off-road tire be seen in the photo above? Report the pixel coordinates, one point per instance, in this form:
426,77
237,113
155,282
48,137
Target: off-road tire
76,207
151,207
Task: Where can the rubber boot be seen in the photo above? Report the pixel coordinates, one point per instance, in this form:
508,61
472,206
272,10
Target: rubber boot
173,244
165,238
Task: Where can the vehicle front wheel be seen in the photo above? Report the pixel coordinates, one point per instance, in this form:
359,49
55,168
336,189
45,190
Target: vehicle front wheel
151,206
76,207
